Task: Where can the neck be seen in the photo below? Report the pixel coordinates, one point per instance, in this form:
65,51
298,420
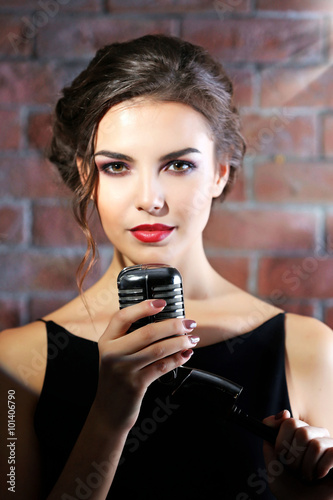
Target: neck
197,274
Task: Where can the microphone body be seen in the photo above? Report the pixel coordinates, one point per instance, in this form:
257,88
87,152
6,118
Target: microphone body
160,281
151,281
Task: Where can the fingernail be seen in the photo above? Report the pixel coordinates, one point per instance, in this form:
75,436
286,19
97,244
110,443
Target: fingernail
158,303
189,324
187,354
193,340
279,415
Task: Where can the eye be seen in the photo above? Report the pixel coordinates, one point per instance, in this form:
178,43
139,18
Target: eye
114,168
180,166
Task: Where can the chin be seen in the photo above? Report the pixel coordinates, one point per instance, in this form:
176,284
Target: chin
152,257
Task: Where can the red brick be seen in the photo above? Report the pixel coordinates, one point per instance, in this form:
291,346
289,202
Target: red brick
23,5
328,316
297,87
233,269
27,83
10,136
79,5
260,230
297,306
41,306
301,307
237,191
37,271
12,41
306,277
50,6
329,233
280,132
82,37
293,182
328,135
30,178
166,6
297,5
243,82
35,82
11,224
11,313
330,40
258,40
40,130
54,225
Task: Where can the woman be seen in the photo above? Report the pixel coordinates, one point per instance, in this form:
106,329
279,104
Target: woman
149,134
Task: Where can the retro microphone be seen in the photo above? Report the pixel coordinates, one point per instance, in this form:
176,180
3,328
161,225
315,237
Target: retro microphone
152,281
160,281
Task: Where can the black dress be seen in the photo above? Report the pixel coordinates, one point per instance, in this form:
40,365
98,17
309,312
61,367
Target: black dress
172,452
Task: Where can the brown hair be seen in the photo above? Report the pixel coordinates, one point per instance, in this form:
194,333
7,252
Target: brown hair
159,67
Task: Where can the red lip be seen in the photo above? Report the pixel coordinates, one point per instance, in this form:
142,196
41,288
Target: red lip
151,233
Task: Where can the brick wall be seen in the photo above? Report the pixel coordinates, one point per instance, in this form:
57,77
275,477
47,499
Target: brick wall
274,234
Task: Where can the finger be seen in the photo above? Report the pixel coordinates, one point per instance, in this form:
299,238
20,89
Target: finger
318,458
158,351
275,421
155,332
147,335
302,444
325,463
123,319
284,440
159,368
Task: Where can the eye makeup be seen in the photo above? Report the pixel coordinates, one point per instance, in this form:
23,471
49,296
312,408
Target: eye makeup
120,164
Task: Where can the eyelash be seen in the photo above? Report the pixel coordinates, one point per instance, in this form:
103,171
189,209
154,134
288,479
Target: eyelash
191,166
106,168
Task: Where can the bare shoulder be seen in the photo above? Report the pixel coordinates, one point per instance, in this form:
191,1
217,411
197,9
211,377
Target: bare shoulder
309,356
308,338
23,354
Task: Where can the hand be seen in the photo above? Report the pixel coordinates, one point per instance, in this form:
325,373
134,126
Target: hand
129,363
299,464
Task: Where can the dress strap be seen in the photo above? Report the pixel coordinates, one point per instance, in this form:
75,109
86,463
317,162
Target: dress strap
41,319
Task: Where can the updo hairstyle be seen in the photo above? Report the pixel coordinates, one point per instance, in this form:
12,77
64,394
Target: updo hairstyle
155,67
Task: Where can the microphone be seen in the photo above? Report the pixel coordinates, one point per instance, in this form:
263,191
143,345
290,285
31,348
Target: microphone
160,281
201,387
151,281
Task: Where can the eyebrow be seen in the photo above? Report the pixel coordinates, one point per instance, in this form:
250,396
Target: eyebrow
169,156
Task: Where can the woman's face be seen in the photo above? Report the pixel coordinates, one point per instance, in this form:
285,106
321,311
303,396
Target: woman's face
157,177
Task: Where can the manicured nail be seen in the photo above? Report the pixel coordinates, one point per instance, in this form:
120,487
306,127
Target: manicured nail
193,340
189,324
187,354
279,415
158,303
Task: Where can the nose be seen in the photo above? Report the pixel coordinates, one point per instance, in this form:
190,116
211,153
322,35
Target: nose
149,195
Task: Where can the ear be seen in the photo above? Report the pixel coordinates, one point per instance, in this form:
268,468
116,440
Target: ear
221,178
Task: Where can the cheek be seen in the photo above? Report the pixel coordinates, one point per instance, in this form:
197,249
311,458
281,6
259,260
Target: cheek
112,195
196,201
109,206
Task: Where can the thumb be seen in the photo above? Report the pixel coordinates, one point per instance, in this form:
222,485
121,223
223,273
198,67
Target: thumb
274,421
